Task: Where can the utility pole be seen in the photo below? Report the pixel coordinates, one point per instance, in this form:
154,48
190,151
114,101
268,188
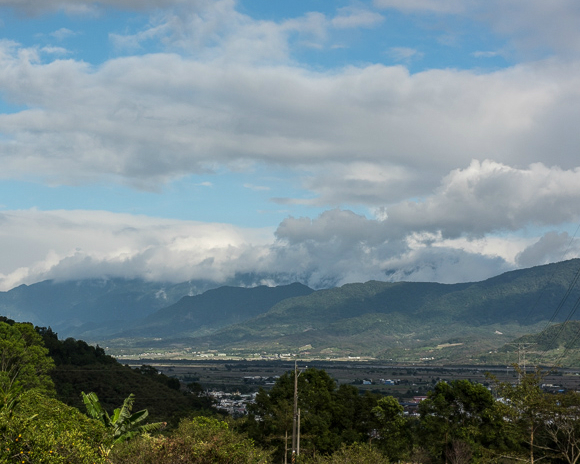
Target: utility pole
286,448
298,435
296,417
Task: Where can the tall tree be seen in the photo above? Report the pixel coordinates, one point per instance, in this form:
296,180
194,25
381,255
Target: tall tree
459,413
393,427
526,407
24,361
548,425
563,426
329,415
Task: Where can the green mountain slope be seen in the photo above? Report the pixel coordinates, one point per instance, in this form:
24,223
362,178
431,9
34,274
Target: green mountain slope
404,320
213,309
408,320
97,308
75,307
555,345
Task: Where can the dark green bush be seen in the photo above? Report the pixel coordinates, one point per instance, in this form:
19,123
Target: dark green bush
43,430
202,440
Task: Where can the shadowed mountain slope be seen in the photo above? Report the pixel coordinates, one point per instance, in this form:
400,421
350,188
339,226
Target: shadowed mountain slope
82,307
214,309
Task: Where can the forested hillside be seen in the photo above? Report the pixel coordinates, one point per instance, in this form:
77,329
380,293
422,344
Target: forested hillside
205,313
458,422
407,321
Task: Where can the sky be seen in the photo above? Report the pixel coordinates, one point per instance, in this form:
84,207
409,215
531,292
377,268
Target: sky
318,141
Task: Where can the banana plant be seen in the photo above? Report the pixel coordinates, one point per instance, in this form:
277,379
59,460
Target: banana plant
123,424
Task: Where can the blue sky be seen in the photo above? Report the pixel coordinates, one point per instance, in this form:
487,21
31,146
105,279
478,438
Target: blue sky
325,141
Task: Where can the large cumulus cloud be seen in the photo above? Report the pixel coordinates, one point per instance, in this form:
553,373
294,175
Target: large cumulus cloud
61,244
447,159
335,248
132,121
226,92
490,197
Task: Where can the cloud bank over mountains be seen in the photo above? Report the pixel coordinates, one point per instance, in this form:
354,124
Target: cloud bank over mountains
464,173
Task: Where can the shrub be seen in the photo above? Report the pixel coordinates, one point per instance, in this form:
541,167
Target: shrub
43,430
357,453
202,440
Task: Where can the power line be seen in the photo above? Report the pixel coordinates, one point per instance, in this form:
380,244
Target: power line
570,345
562,327
535,305
520,346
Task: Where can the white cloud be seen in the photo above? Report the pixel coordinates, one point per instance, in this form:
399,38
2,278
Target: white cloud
488,54
340,247
35,7
215,30
257,188
551,247
335,248
404,53
436,6
529,25
489,197
350,17
84,244
63,33
535,24
147,125
55,50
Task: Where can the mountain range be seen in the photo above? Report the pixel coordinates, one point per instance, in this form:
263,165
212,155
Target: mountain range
388,320
410,320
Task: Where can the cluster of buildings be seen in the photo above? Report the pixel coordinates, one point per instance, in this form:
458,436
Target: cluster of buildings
234,404
260,380
380,381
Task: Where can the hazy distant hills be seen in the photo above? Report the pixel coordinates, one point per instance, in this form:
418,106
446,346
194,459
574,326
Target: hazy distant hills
95,309
202,314
403,320
92,306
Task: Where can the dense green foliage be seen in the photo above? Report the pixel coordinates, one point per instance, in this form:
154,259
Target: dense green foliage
113,384
123,424
82,367
394,432
357,453
44,430
330,415
24,361
459,422
202,440
73,352
461,413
